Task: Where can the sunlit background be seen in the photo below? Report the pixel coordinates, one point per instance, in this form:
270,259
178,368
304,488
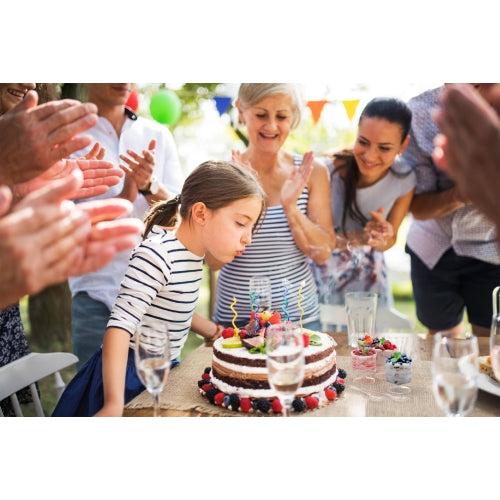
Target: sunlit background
209,135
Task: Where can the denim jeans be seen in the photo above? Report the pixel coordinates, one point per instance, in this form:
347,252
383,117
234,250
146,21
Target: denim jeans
89,321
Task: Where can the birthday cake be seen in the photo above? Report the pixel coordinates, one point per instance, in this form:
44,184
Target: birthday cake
237,379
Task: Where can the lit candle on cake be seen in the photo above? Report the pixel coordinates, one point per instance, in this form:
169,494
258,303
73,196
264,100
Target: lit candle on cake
234,341
252,301
236,331
301,297
285,300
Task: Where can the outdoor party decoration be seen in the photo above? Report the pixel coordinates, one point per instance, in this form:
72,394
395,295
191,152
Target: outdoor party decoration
222,103
285,300
299,304
133,100
316,108
233,341
165,107
350,107
235,315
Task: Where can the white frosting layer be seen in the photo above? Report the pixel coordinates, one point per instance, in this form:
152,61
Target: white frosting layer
312,369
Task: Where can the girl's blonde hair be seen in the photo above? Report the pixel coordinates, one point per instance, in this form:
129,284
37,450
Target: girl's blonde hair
214,183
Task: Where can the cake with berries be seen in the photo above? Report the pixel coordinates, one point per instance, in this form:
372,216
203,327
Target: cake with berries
237,379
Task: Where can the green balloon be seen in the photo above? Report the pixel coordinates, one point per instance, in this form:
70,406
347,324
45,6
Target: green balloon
165,107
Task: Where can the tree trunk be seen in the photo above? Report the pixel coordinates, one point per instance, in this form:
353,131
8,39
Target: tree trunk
76,91
49,311
50,318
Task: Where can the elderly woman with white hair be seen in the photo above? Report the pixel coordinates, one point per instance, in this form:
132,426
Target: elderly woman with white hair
298,223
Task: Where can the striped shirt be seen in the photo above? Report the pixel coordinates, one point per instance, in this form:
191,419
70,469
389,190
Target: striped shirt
272,253
162,283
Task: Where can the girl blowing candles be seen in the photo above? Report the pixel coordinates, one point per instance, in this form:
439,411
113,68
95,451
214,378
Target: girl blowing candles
219,207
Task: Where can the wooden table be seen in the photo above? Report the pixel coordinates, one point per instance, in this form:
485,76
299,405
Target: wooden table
182,398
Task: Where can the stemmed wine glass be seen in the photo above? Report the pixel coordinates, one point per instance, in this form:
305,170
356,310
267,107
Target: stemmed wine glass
495,345
260,291
455,370
495,334
285,361
152,358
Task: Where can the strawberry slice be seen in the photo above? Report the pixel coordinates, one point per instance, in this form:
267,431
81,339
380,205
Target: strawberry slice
227,332
307,339
275,318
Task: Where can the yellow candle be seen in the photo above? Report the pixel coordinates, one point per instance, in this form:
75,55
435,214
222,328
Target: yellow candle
236,331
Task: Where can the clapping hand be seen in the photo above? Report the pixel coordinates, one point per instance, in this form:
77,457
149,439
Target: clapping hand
298,179
33,138
238,160
46,238
378,230
140,167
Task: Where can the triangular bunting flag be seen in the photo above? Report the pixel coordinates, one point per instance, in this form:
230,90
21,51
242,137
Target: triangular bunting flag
222,103
316,108
350,107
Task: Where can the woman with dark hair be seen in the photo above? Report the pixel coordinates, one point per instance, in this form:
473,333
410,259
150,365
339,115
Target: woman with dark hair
371,192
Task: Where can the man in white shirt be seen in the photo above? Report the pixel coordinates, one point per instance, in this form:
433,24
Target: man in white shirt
148,155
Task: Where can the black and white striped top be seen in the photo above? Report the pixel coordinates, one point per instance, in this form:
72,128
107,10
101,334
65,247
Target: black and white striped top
162,283
272,253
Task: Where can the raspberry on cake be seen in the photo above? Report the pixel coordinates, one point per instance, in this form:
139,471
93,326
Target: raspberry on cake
241,373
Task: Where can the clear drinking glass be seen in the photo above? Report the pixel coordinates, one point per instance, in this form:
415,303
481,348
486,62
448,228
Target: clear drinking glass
152,358
495,345
285,361
361,310
455,370
260,293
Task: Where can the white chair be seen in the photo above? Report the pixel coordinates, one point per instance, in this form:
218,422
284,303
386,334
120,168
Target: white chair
26,371
334,318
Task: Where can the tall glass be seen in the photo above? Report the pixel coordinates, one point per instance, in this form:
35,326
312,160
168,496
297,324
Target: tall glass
260,293
285,361
361,310
495,345
455,370
152,358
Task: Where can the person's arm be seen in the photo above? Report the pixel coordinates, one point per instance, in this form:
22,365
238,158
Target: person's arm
46,238
209,330
432,205
39,239
313,233
115,349
469,147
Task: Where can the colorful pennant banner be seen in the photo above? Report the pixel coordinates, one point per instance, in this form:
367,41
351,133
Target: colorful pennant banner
223,103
